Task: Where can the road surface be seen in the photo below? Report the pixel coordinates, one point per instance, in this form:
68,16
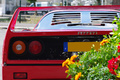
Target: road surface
2,36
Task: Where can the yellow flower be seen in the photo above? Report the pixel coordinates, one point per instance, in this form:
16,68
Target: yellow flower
93,72
82,75
65,63
78,76
70,62
78,64
95,62
66,71
67,66
73,57
118,75
104,41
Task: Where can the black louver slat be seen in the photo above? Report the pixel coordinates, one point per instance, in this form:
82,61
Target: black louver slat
62,18
104,17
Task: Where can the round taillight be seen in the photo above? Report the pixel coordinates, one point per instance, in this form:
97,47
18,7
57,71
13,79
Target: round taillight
35,47
18,47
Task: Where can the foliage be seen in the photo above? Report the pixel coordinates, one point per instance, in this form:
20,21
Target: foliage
32,1
93,65
99,2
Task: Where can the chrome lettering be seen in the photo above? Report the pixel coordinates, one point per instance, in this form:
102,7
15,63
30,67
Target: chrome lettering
90,33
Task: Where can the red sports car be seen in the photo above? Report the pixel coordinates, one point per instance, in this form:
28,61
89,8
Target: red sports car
38,54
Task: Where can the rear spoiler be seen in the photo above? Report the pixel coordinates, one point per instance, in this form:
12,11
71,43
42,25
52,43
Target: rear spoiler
15,15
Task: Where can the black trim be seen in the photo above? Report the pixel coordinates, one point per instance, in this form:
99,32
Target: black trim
52,46
33,64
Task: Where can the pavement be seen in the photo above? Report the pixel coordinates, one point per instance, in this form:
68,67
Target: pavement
4,25
2,36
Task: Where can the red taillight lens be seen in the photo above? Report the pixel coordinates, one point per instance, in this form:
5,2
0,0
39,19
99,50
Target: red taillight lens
35,47
18,47
20,75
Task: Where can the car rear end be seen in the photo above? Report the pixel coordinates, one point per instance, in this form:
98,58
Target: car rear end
32,57
38,54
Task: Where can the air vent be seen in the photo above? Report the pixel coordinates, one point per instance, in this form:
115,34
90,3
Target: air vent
103,17
62,18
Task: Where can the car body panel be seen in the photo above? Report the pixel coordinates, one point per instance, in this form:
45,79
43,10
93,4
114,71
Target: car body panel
49,69
36,72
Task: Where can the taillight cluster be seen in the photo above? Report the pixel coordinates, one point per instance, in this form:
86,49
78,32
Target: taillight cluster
19,47
35,47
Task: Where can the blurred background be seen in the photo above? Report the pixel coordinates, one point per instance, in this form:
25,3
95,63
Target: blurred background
7,8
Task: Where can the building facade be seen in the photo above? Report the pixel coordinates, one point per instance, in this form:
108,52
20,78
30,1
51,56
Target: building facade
9,6
0,7
116,2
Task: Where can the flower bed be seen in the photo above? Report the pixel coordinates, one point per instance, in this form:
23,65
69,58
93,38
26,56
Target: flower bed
97,65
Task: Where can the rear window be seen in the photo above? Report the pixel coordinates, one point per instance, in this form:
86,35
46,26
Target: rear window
78,20
61,18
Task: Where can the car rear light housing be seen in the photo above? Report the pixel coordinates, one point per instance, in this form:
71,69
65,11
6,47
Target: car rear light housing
18,47
35,47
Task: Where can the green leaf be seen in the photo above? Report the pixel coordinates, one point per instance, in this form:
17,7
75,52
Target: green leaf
68,75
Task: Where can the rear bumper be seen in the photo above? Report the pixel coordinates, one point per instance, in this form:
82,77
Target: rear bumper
35,72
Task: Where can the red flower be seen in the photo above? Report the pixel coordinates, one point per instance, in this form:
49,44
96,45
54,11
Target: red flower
119,56
113,61
113,65
110,66
116,59
112,71
118,48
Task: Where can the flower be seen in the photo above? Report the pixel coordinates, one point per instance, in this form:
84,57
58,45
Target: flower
118,47
73,57
70,62
112,71
113,64
65,63
78,64
104,41
78,76
118,75
82,75
66,71
110,66
118,56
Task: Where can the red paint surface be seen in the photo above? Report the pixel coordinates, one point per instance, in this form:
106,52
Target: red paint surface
42,72
35,72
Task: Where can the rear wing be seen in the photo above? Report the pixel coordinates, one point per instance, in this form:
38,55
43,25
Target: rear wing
15,15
